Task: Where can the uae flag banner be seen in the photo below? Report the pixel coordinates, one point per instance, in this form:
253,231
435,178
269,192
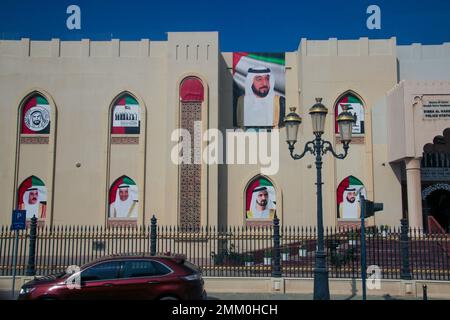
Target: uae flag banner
36,116
126,117
32,197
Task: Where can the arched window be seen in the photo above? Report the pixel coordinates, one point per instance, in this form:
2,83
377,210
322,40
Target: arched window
32,197
126,118
192,95
126,137
123,199
36,133
351,103
35,115
260,199
191,90
348,206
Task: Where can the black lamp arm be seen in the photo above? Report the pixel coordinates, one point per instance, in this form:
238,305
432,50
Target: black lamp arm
326,146
309,147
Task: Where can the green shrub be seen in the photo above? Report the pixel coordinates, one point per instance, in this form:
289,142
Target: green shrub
338,259
248,258
226,256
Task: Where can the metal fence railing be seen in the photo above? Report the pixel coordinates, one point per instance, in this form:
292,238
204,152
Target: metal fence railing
7,240
261,251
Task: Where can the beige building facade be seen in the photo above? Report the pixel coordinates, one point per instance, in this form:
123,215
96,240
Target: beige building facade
93,159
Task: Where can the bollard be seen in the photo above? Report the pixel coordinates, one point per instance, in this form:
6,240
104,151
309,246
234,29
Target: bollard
404,242
425,293
153,236
31,265
276,271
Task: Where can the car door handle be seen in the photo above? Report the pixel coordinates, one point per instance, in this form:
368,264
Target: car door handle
153,282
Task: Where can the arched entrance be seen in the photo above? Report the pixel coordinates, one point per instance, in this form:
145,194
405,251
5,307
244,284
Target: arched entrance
437,204
435,176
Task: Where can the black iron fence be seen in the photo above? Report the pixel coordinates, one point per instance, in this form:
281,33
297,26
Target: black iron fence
263,251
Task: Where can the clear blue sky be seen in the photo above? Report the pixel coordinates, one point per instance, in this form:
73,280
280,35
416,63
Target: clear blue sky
257,25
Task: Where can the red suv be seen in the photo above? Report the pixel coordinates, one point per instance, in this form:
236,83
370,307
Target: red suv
136,277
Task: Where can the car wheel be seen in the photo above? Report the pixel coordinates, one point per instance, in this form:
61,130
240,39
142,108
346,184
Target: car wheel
168,298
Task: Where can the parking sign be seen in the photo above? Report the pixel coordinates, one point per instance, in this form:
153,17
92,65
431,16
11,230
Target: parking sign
19,220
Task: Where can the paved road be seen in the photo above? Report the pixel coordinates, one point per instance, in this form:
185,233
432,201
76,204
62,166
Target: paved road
6,295
292,296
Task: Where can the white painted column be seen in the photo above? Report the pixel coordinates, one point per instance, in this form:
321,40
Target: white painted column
413,182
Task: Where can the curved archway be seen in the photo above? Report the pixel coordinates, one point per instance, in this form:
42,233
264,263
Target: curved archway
127,114
347,198
192,90
192,96
437,203
438,186
351,102
434,170
36,136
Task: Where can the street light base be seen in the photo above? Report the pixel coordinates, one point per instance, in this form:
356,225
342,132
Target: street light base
321,289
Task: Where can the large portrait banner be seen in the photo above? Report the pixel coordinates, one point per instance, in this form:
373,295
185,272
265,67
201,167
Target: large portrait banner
348,196
123,199
258,89
32,197
260,200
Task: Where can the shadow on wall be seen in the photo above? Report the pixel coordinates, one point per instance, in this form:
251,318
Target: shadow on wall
354,290
225,122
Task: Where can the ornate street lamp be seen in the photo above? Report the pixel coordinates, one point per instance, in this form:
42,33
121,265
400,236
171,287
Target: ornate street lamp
292,122
318,147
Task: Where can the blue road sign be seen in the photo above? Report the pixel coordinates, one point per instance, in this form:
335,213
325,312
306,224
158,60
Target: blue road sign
19,218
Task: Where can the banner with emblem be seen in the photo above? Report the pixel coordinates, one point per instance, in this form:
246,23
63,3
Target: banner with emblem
126,118
352,104
258,89
36,116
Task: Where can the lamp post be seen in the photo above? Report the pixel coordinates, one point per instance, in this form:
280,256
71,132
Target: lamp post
319,147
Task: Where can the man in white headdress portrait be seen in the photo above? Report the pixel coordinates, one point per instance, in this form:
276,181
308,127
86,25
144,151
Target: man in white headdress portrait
126,203
260,106
34,201
350,207
262,204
